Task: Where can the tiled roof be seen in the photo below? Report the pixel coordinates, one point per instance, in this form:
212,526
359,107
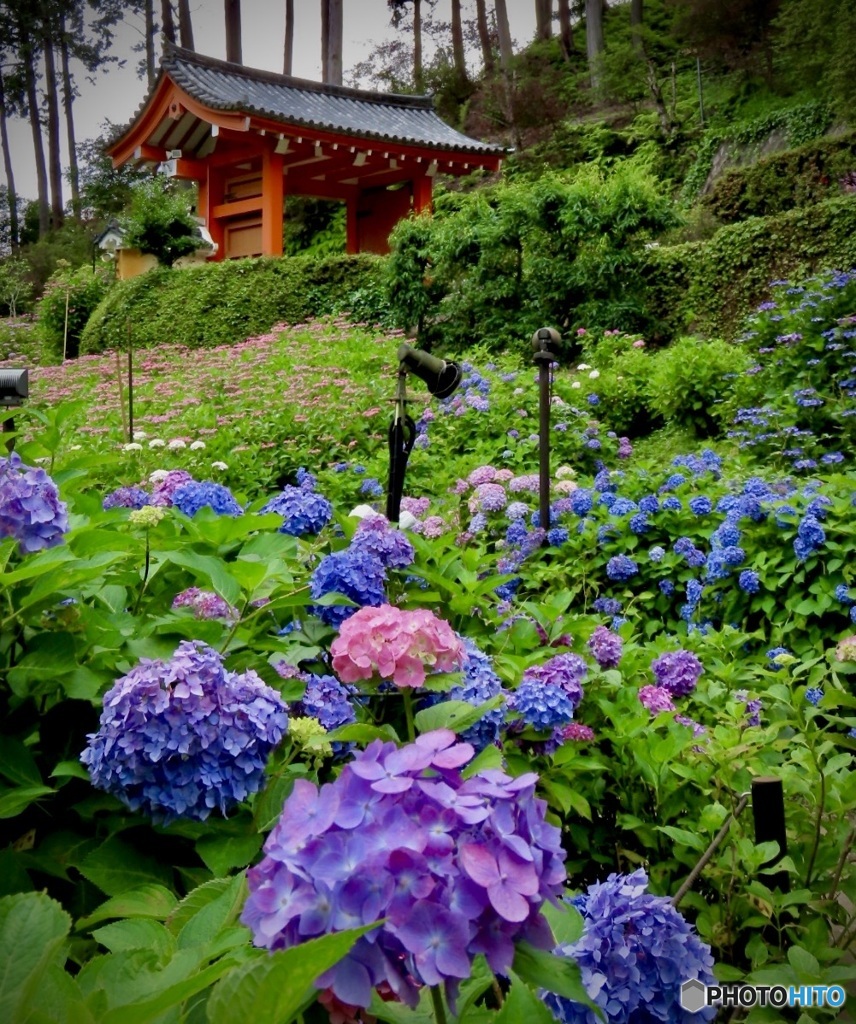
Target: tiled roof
296,101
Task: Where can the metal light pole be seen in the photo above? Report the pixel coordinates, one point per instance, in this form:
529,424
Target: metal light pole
541,341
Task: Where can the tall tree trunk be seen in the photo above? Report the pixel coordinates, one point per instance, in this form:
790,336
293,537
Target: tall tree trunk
636,26
7,165
68,101
168,22
288,45
418,70
151,72
543,19
233,31
38,144
566,33
185,25
594,39
484,35
458,54
332,29
506,58
52,98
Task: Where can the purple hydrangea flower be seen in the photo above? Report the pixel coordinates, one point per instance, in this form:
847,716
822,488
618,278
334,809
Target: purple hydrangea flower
165,488
677,671
302,510
205,604
354,573
126,497
30,509
635,952
190,497
453,867
605,647
565,671
328,701
377,536
656,699
179,738
606,605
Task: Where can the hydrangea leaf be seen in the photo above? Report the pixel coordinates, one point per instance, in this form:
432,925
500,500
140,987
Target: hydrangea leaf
276,987
543,969
456,715
225,853
522,1003
565,921
32,929
153,901
116,866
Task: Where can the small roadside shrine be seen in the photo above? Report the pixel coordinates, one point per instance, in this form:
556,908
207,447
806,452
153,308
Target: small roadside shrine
249,138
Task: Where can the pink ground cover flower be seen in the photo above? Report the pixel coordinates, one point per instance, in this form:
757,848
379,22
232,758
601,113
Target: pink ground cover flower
395,644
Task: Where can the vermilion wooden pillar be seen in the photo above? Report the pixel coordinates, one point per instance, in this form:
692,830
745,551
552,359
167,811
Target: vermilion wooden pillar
211,194
272,203
352,234
422,194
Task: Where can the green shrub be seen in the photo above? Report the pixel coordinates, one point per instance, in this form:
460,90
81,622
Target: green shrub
709,287
221,303
795,178
73,294
624,388
691,380
159,221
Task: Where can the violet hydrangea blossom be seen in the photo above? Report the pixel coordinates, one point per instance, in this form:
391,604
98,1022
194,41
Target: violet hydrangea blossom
205,604
182,737
126,497
677,671
453,867
30,508
376,535
605,646
635,952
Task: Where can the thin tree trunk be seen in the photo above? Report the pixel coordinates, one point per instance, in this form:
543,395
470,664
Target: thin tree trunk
484,36
185,25
38,144
566,32
418,70
68,101
506,58
150,42
332,29
594,39
168,26
52,98
288,46
543,19
233,31
7,165
458,54
636,26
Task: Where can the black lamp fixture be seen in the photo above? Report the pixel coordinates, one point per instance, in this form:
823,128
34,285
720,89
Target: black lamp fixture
14,388
542,339
442,377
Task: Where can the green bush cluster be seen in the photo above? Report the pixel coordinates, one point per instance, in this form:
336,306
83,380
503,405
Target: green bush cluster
784,181
69,300
710,286
222,303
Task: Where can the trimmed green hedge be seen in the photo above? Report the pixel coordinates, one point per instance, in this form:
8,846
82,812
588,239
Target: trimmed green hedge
223,303
784,181
708,287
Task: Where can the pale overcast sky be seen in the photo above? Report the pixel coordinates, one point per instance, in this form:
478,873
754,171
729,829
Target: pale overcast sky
116,95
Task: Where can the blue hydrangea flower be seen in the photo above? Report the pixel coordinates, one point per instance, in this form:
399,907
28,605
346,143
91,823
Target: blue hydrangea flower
672,504
667,587
649,504
773,655
30,509
814,695
182,737
639,524
621,568
842,594
126,497
328,701
376,535
480,684
302,510
749,581
541,705
700,505
623,506
190,497
656,554
356,574
810,537
557,536
581,502
635,952
516,532
371,487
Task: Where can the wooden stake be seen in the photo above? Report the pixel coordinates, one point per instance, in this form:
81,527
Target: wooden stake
121,393
130,386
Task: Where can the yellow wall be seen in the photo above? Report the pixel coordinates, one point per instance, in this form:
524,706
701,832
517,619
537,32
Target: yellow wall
131,263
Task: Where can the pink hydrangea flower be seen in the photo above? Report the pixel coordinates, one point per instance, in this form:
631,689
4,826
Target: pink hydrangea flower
390,643
482,475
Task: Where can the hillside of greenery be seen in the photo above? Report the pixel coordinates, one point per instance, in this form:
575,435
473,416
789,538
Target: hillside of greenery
265,755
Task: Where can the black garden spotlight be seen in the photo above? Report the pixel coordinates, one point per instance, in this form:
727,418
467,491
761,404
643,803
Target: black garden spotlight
442,378
542,339
14,388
